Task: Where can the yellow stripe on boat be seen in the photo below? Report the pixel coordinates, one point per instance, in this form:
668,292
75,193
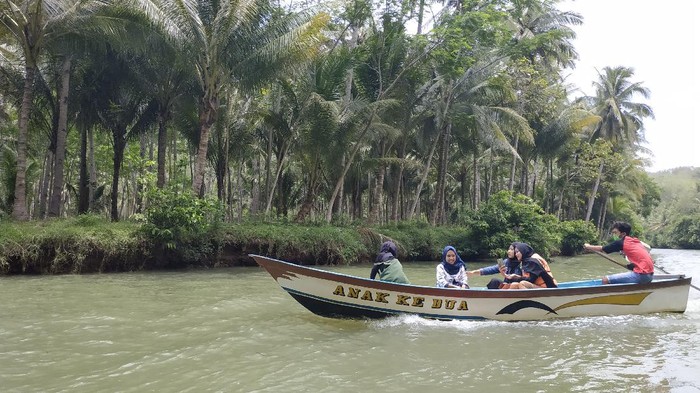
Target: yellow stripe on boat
633,299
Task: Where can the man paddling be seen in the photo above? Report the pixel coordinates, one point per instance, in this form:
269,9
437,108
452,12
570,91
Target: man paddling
636,251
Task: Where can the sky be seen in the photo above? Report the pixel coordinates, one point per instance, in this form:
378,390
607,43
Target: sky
661,42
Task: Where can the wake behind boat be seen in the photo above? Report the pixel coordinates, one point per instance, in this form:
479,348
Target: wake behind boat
338,295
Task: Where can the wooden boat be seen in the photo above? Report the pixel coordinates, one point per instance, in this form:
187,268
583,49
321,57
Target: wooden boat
338,295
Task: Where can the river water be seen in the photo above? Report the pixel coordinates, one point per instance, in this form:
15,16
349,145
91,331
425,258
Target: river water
236,330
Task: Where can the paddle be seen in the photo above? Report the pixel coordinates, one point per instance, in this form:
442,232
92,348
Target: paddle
625,266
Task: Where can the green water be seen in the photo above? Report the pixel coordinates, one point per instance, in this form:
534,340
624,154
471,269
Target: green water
235,330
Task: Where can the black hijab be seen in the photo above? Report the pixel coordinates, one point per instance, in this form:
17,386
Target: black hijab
387,252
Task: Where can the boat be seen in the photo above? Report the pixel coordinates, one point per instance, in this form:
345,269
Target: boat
337,295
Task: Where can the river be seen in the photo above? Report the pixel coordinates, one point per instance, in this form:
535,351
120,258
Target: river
236,330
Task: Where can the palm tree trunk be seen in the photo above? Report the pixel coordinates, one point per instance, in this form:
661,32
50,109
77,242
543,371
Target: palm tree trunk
162,147
138,186
477,179
439,210
310,197
117,157
59,161
377,195
255,189
93,169
207,114
489,179
227,169
338,205
83,181
220,167
395,208
423,178
45,186
378,188
591,198
351,158
421,9
532,185
19,208
511,183
603,213
278,172
239,182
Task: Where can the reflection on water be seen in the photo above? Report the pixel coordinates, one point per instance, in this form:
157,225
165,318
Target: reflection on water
236,330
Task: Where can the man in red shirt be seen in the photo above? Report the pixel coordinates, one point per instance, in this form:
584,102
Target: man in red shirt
636,251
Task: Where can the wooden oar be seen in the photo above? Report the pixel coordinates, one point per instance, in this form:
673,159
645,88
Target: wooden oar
625,266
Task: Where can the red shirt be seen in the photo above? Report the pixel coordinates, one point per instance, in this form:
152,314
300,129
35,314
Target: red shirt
636,253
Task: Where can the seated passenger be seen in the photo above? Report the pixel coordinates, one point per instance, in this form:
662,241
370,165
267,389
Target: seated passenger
536,273
388,266
451,272
509,269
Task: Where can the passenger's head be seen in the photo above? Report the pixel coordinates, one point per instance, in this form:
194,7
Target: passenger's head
511,251
388,247
620,228
449,255
523,250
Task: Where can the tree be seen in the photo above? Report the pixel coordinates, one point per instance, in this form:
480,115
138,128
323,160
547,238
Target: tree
233,42
622,119
30,23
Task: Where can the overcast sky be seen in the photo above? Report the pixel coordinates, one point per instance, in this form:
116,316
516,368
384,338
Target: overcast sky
661,42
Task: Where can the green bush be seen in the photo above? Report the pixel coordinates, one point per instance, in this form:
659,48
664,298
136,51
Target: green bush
182,228
575,234
424,243
506,218
686,233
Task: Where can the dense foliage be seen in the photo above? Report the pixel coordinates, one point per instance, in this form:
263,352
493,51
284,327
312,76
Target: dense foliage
674,223
180,230
354,113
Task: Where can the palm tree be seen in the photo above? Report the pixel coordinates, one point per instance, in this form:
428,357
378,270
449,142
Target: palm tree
32,24
238,42
622,119
542,33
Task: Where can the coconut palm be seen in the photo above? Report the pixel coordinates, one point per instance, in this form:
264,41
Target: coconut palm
33,24
622,119
240,42
542,33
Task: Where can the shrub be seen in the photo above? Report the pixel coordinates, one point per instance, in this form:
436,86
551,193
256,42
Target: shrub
182,228
507,217
686,233
575,234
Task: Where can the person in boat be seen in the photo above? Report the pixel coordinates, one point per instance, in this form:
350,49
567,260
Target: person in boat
636,252
451,272
536,271
388,266
509,268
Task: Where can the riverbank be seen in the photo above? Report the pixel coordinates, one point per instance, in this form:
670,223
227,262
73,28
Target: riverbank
89,244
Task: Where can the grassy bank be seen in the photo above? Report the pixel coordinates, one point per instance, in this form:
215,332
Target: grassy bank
180,231
88,244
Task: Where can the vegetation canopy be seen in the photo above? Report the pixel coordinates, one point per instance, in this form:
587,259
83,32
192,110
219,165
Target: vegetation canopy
359,114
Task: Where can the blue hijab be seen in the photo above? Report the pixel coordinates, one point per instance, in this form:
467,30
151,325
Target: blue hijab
451,269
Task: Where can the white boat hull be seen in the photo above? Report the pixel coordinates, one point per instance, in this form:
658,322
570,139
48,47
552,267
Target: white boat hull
342,296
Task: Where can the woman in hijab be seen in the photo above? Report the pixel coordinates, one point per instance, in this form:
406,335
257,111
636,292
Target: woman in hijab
534,273
451,272
387,266
509,269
